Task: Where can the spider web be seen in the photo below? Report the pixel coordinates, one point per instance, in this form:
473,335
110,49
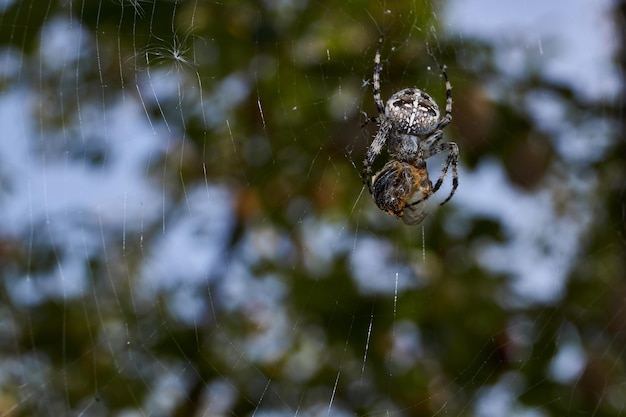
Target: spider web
184,231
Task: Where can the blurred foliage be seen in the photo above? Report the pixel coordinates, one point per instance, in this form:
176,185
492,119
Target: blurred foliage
290,152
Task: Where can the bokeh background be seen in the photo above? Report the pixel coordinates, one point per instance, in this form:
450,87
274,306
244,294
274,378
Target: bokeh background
184,231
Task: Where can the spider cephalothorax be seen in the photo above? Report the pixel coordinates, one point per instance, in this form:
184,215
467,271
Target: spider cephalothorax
409,125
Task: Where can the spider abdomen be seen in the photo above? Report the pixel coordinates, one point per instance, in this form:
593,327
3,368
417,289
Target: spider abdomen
413,112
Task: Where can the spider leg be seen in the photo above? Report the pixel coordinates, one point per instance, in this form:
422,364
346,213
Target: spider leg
453,160
380,106
368,120
383,131
430,145
373,151
448,117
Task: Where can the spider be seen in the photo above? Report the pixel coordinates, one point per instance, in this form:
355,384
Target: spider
409,125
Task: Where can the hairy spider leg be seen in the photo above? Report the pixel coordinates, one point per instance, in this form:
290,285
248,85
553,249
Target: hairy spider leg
452,160
383,132
373,151
380,106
